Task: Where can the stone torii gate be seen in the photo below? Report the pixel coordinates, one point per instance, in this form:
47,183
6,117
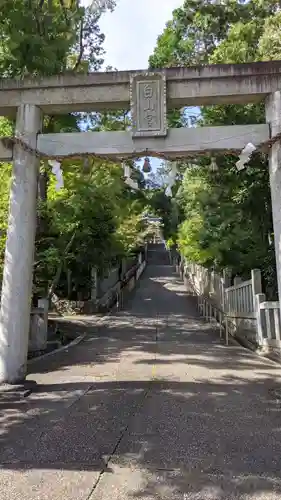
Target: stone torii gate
149,95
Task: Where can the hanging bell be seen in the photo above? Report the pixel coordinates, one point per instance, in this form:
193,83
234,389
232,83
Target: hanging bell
146,166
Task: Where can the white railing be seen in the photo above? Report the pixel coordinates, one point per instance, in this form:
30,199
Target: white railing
233,306
239,300
206,282
268,323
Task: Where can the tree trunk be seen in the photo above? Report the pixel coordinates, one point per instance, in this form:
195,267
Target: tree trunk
60,267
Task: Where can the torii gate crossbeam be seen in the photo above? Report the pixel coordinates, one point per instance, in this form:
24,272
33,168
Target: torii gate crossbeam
195,86
150,95
179,143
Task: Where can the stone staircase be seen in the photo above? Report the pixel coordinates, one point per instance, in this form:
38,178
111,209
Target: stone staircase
157,254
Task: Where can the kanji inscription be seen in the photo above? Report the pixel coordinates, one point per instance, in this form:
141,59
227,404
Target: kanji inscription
148,105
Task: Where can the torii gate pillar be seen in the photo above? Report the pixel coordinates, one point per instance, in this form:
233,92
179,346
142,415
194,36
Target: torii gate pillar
19,253
273,117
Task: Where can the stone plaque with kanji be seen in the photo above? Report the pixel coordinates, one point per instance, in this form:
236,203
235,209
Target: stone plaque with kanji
148,105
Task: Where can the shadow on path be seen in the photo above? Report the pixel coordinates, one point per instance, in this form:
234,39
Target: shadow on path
150,406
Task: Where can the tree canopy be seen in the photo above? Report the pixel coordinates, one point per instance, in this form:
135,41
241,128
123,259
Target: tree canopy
95,219
225,215
220,219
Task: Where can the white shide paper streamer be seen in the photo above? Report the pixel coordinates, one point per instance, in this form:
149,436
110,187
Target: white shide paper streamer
56,170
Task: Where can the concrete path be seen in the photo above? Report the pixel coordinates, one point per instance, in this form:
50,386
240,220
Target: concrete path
150,406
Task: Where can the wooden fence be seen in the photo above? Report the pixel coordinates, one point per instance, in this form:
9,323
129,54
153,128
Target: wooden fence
240,309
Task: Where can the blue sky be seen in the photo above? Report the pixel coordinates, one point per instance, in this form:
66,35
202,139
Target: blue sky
131,33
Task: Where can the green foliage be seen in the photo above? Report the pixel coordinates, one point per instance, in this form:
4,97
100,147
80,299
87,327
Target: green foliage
96,213
216,230
36,36
225,217
95,219
270,40
162,206
200,26
5,178
46,37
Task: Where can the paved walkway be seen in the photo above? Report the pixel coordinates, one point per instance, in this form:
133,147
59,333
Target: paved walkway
150,406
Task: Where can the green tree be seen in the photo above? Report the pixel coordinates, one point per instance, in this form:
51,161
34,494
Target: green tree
95,218
227,221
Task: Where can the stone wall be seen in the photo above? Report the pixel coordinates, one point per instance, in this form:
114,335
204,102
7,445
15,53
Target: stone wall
243,328
108,282
40,326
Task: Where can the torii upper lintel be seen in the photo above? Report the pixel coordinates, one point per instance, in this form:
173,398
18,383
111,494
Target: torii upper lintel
199,85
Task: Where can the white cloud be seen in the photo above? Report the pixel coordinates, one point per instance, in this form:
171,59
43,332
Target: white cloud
132,29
